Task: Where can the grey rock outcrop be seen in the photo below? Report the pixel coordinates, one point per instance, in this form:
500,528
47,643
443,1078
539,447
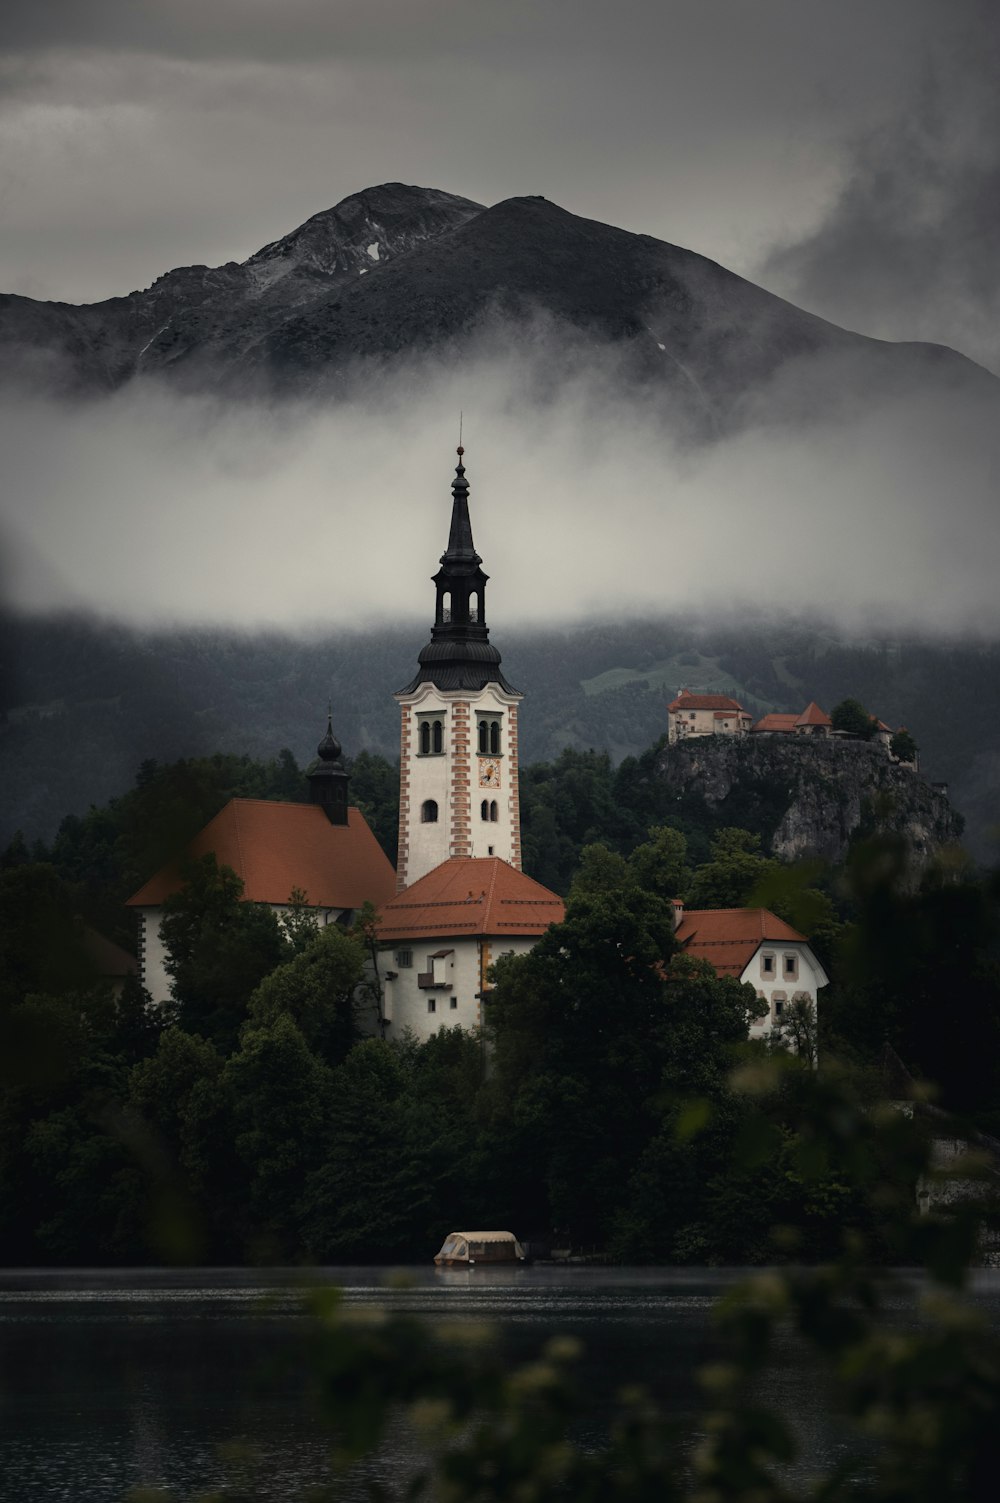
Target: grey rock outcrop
830,789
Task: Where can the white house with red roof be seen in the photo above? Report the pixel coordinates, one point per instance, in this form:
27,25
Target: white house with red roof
441,935
323,850
693,714
755,946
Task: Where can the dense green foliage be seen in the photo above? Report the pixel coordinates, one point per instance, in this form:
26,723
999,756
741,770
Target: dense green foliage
908,1370
255,1120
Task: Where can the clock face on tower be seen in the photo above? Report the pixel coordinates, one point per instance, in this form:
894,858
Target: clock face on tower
489,773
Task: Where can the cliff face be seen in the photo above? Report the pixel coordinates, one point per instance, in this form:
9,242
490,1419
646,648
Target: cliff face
828,790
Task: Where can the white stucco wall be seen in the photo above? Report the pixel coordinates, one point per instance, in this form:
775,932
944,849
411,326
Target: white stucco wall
776,986
458,1002
454,779
682,724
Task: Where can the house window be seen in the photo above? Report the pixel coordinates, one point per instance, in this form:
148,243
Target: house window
791,968
779,1008
453,1002
767,965
432,1004
404,959
429,812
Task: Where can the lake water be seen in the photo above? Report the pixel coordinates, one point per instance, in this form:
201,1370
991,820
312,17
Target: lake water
113,1379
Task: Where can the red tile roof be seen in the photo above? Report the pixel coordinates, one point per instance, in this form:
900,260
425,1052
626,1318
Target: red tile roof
276,847
777,721
687,701
813,715
729,937
476,896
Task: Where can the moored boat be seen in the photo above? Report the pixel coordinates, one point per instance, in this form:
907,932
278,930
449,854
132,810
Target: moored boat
466,1249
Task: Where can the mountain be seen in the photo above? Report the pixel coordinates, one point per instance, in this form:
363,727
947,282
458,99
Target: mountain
396,272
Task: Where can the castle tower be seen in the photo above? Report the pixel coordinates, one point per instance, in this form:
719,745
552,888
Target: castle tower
458,791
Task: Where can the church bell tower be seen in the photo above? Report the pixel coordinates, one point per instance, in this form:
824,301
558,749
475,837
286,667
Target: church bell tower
458,791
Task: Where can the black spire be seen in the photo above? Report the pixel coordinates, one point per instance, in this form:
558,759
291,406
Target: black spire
328,778
459,654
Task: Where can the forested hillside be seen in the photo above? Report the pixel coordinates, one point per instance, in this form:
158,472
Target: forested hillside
86,703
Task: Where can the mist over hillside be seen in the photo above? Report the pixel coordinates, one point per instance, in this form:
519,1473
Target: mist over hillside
226,494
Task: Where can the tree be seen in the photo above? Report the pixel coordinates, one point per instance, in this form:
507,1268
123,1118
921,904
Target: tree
851,716
281,1096
218,950
737,868
903,747
317,991
659,865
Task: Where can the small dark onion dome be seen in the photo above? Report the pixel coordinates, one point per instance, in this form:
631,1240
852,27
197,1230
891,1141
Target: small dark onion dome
329,749
328,779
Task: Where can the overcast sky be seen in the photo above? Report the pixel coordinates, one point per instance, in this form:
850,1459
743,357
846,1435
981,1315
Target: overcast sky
845,153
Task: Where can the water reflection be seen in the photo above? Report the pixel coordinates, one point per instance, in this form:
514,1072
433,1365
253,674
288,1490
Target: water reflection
111,1379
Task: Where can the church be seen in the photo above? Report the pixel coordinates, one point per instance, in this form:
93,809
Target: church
458,899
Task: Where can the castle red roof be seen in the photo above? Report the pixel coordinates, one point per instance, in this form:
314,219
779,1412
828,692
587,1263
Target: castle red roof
728,938
475,896
275,847
777,721
813,715
688,701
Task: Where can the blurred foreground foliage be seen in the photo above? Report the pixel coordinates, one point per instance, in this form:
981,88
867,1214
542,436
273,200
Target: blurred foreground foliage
910,1366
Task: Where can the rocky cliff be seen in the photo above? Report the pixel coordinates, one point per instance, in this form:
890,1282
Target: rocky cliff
820,792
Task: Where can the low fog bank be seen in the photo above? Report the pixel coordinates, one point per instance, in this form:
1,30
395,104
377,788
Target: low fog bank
155,509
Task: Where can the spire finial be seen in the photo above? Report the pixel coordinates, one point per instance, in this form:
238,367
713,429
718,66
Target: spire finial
329,748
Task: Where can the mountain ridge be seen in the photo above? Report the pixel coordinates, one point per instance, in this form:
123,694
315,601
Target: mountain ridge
397,271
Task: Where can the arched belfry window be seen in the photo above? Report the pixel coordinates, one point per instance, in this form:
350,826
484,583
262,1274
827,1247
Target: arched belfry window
474,606
446,606
488,735
429,812
430,735
484,809
493,810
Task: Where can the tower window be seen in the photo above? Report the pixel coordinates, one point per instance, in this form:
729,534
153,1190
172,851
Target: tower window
429,811
489,735
484,809
493,810
430,737
474,606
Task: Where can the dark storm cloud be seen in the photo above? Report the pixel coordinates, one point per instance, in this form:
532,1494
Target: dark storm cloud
139,136
910,249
